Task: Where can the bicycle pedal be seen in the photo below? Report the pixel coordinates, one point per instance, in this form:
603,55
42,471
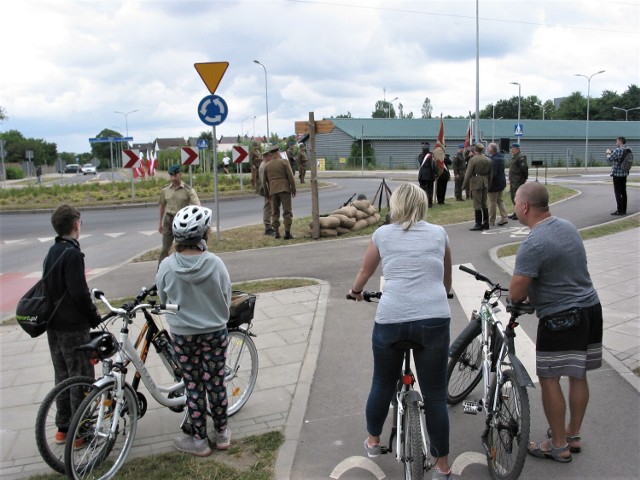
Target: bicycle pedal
470,407
384,450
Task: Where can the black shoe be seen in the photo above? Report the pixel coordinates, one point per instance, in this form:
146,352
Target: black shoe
513,216
485,226
476,227
269,231
618,213
277,234
459,199
288,236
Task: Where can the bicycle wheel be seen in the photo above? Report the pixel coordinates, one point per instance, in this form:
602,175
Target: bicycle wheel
464,370
508,430
414,455
103,431
241,370
49,418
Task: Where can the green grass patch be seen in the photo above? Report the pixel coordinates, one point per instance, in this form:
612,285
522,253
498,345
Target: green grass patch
249,458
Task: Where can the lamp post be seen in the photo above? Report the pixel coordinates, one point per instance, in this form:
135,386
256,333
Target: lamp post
266,96
390,102
542,107
586,141
242,127
126,119
254,127
519,97
626,111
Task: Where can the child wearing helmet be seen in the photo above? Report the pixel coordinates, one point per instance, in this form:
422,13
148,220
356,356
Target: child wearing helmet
198,281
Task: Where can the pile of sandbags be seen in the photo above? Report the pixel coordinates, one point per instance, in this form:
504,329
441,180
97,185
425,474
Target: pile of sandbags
355,216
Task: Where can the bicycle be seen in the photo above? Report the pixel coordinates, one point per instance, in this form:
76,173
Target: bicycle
105,423
409,425
51,448
485,350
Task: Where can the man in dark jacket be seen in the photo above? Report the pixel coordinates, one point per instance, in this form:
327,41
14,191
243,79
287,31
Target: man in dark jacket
428,172
70,325
477,179
518,173
496,186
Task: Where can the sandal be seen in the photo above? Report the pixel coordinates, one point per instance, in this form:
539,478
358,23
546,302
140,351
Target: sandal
536,450
570,439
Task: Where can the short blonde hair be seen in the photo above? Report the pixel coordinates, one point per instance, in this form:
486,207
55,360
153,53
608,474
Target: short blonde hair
408,205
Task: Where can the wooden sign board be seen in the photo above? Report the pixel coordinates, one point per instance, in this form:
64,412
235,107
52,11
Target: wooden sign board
322,126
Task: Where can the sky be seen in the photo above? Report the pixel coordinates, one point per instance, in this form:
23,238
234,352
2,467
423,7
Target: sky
68,65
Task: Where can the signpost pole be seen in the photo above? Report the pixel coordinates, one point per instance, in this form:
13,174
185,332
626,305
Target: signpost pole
215,181
113,180
315,208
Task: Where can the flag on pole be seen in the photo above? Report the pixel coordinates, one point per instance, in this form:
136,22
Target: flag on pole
440,141
467,140
151,163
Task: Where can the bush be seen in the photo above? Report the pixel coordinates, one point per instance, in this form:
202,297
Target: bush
14,173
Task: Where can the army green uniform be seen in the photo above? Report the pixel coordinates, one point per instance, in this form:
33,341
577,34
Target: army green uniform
459,169
302,163
172,199
266,207
255,158
477,178
518,174
280,185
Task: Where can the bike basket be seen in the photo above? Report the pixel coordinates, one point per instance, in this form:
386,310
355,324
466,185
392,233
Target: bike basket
241,309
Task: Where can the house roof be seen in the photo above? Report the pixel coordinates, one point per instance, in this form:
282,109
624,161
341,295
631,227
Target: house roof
165,143
456,128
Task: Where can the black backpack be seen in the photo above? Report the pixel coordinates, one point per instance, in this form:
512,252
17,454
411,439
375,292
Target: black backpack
627,160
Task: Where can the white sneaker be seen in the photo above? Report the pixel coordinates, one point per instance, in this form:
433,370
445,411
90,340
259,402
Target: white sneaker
223,439
197,447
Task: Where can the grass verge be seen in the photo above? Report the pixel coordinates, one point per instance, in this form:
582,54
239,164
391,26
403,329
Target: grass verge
249,458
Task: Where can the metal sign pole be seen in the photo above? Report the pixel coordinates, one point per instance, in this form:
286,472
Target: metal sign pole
215,181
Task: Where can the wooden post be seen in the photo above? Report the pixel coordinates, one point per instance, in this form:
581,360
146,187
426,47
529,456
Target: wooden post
315,207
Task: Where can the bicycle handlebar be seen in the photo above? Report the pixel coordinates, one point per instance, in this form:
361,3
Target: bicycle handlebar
129,310
368,296
481,277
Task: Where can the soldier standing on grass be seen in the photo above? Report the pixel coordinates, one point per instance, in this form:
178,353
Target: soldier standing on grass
255,158
280,185
477,178
459,167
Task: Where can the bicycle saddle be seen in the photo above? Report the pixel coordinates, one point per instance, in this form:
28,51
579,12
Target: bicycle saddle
519,308
407,345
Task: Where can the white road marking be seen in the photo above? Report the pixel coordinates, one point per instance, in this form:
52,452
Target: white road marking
148,233
357,462
114,235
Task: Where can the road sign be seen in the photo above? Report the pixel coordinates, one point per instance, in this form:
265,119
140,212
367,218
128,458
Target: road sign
202,143
131,158
110,139
189,156
322,126
213,110
239,154
517,130
211,73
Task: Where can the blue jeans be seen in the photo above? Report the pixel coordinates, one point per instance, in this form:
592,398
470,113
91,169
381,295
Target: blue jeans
430,367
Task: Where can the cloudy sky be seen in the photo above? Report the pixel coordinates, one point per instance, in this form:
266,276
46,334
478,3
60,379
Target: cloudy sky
67,65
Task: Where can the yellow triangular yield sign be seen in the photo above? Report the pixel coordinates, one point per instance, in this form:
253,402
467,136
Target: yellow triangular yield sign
211,73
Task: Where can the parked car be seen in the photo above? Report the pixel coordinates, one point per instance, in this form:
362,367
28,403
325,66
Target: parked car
88,168
72,168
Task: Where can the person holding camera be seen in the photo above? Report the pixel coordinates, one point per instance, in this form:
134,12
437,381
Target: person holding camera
619,175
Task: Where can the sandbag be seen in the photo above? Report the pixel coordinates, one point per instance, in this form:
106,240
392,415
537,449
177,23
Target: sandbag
360,215
361,204
371,210
346,222
359,225
328,232
349,211
329,222
343,230
371,220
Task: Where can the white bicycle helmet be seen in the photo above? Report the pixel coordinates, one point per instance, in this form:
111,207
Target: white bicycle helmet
190,224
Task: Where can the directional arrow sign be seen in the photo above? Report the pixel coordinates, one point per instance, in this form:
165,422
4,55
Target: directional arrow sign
213,110
239,154
189,156
131,158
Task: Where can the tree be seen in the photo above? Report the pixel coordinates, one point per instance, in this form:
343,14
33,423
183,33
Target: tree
384,109
103,151
3,114
347,115
426,109
573,107
401,113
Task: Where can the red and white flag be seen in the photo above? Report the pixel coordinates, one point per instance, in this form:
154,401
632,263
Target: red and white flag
152,163
467,140
440,141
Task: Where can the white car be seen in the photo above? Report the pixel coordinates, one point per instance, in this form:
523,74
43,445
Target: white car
88,168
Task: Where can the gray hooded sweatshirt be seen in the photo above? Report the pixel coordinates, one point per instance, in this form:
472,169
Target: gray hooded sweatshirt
201,286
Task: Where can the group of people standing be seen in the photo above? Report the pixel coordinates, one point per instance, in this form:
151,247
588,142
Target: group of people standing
481,177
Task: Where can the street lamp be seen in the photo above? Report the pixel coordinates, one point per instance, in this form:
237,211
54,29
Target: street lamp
626,111
254,127
266,96
126,119
542,107
242,127
519,97
389,116
586,141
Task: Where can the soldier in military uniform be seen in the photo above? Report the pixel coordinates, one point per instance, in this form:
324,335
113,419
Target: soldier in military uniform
255,158
459,168
302,161
518,173
477,178
173,197
266,208
280,185
291,155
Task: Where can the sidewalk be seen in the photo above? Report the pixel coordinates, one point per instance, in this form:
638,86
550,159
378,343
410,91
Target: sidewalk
289,327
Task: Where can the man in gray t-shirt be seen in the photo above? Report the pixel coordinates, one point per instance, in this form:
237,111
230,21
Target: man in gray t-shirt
551,272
